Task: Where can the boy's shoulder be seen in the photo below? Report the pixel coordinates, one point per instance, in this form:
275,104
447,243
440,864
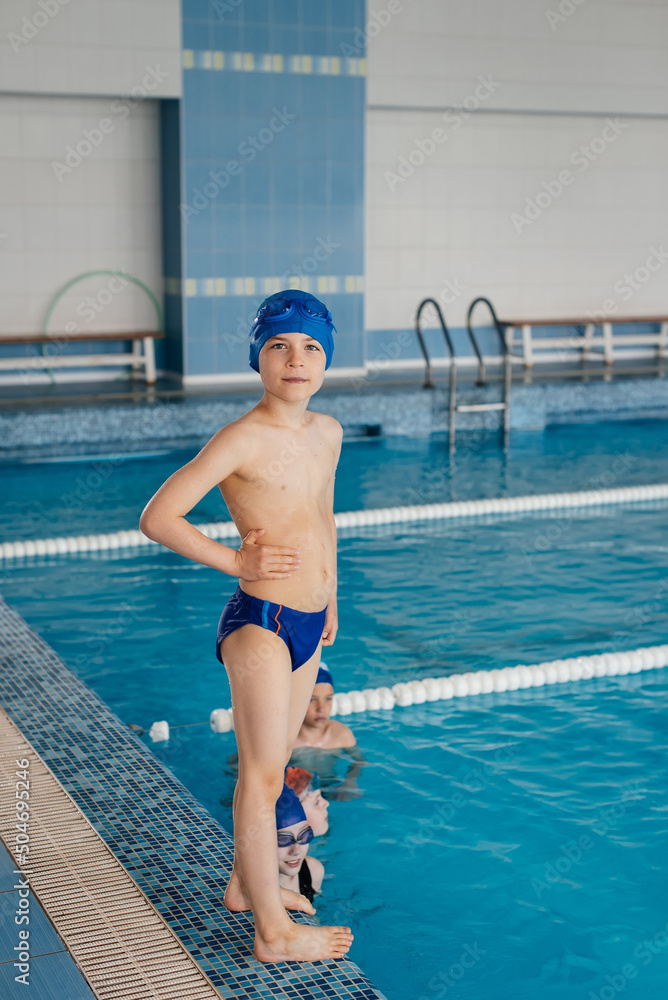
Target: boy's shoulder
244,430
328,425
234,438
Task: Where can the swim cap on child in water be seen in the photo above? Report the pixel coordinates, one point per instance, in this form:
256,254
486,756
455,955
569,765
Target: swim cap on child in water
289,809
291,311
324,676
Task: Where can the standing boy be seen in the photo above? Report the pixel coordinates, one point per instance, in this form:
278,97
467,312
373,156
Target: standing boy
275,469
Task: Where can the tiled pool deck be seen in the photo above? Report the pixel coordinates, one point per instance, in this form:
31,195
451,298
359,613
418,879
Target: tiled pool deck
178,855
105,923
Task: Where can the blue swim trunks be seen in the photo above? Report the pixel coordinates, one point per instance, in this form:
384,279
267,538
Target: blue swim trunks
301,631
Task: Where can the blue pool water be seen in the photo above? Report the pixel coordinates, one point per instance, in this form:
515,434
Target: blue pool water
108,492
507,846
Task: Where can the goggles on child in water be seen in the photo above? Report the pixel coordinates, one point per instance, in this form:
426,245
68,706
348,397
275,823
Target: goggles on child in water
303,838
291,311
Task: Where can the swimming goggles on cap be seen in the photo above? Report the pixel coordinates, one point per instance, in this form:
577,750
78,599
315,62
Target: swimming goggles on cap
304,837
276,310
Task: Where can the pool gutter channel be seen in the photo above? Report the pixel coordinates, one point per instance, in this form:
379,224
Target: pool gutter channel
117,938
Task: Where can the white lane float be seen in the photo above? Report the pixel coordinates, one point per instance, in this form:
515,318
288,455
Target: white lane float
347,520
467,685
159,731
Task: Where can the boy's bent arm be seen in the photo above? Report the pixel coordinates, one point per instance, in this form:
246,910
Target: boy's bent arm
163,518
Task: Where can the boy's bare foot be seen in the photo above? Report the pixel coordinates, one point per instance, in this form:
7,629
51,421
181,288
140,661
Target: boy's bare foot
300,943
236,898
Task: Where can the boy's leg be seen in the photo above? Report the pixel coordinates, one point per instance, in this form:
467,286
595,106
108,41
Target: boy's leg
236,896
259,669
303,682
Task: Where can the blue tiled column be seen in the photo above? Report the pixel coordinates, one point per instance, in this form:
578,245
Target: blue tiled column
273,169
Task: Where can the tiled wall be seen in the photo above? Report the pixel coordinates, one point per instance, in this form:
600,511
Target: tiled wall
255,177
478,207
280,163
582,55
75,198
273,119
93,48
458,227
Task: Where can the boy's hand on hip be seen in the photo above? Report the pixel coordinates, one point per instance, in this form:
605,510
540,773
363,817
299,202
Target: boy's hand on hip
255,561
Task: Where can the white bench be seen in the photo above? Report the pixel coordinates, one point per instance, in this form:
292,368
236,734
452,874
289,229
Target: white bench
141,357
588,340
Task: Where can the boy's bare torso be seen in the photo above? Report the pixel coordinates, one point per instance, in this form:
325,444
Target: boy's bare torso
283,486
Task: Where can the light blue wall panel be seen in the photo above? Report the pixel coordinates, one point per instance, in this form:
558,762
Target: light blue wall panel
273,169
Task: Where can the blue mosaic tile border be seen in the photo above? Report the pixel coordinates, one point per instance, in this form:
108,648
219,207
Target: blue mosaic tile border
176,852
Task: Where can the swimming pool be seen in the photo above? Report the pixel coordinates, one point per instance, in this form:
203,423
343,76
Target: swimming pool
458,866
108,491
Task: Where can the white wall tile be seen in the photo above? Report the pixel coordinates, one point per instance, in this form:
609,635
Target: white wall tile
95,47
105,213
605,56
13,312
453,216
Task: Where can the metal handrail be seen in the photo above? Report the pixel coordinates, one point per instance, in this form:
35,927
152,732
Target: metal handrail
501,330
429,384
446,333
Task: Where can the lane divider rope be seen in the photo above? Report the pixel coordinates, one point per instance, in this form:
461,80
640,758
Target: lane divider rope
79,544
416,692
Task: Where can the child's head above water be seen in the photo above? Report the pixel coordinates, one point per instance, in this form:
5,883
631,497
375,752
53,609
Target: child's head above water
320,706
293,832
291,311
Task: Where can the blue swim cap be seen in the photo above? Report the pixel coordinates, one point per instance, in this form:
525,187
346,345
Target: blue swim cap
291,311
324,676
289,809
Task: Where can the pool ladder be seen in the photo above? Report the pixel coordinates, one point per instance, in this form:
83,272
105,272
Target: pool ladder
455,407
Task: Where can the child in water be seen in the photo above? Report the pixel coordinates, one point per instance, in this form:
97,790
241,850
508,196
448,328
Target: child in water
296,871
323,743
317,729
275,468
